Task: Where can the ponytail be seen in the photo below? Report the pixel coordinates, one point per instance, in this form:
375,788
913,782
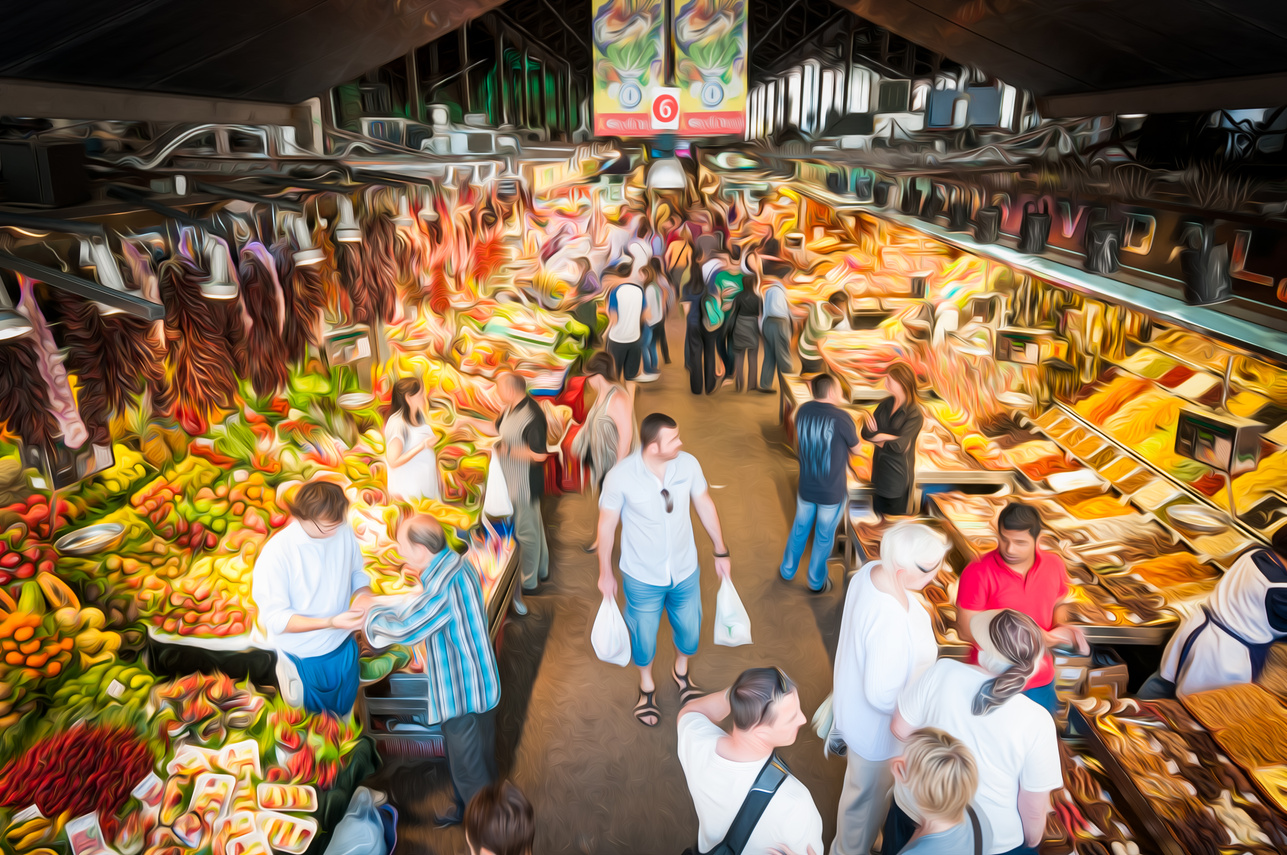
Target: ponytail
1016,640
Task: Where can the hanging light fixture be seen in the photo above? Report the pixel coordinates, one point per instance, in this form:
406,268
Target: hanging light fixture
220,285
403,218
12,324
347,230
97,258
307,254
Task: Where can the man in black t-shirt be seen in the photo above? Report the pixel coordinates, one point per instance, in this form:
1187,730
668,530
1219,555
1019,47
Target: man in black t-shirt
825,437
522,454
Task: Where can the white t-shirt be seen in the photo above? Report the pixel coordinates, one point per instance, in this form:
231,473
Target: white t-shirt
418,477
315,577
629,300
719,786
654,300
1014,746
882,651
657,548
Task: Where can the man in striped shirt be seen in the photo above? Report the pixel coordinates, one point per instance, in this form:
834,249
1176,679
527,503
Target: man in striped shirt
464,685
823,318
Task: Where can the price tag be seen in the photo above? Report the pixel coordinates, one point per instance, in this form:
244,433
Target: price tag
27,813
115,690
85,835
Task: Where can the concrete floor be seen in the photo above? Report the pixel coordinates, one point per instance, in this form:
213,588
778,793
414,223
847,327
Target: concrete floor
601,782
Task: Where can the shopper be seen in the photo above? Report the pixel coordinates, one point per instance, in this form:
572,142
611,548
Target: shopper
1018,575
409,444
721,767
500,821
825,437
608,435
893,429
939,775
649,494
775,324
1227,641
700,338
460,664
1011,737
823,317
654,318
625,310
744,320
727,283
886,643
312,593
522,451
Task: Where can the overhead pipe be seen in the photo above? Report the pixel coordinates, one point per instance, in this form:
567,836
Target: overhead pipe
81,287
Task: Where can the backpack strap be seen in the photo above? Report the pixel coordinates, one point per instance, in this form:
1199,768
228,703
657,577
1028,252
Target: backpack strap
978,831
753,806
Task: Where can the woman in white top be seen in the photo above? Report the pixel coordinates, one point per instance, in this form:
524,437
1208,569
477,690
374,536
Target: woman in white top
886,642
1011,737
409,444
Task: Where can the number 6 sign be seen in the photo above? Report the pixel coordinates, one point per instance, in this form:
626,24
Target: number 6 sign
665,109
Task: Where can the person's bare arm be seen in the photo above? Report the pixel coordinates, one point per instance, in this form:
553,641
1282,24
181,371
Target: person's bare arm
351,619
714,706
398,453
963,618
709,516
1033,809
882,438
900,728
621,414
1064,633
606,540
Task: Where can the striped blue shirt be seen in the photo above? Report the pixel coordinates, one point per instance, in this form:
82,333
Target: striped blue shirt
449,617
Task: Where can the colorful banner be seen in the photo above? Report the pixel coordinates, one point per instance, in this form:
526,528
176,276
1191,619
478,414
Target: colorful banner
710,66
628,56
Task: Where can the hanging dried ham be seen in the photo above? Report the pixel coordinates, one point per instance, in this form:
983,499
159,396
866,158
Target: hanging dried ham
203,335
264,358
114,359
380,250
49,363
304,290
24,400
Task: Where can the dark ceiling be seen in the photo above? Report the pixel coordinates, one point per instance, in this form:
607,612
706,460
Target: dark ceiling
288,50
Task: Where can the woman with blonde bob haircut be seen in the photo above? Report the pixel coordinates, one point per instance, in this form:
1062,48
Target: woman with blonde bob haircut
938,773
886,642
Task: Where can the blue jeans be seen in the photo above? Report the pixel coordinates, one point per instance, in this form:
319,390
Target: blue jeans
822,520
649,350
683,604
1044,695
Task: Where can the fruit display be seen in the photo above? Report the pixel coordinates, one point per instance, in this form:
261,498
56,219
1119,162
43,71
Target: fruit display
82,769
307,748
108,689
205,709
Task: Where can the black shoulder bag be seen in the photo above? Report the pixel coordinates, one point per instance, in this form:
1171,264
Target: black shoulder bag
753,806
976,828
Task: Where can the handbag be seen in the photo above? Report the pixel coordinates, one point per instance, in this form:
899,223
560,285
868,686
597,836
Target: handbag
753,807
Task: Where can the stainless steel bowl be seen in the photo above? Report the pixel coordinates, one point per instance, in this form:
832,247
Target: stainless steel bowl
91,539
1196,518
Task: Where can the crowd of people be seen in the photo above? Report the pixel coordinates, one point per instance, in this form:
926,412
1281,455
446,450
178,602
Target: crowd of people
941,756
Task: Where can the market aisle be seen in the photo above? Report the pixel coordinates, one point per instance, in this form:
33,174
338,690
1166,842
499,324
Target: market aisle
600,781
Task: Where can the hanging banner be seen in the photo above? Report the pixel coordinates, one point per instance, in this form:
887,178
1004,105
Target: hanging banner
710,66
628,55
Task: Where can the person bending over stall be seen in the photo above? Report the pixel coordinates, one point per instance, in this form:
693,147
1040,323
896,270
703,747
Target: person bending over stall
1227,641
1018,575
312,593
445,611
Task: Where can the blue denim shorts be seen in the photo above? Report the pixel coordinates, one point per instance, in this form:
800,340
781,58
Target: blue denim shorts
644,603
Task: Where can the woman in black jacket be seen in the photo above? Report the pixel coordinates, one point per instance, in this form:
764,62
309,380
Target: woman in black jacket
893,429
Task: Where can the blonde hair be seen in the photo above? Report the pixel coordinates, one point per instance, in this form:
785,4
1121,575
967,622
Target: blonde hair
941,773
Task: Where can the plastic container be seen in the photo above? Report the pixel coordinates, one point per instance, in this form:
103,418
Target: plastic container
287,797
291,834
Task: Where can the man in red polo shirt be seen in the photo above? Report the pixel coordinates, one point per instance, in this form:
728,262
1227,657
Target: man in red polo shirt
1017,575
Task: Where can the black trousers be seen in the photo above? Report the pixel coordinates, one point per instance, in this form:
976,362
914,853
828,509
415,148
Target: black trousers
659,336
628,358
724,346
700,346
471,753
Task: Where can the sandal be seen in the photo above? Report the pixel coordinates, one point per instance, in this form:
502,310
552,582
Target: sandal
647,708
687,691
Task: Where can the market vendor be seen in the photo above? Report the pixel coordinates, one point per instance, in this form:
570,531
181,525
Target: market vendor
409,444
1020,576
1227,641
823,318
893,429
312,593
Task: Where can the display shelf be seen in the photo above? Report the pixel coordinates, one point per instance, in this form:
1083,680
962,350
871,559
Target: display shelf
1251,534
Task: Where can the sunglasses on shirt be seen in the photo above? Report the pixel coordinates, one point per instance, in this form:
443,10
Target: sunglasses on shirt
670,504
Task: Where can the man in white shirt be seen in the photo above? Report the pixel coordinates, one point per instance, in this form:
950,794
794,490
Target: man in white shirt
625,322
649,494
721,767
312,593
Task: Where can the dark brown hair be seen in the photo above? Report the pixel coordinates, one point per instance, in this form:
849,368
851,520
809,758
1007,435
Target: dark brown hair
320,501
1018,639
754,693
902,374
651,427
500,819
403,389
601,365
821,386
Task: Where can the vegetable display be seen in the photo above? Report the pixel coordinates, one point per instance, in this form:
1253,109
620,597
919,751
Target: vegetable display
83,769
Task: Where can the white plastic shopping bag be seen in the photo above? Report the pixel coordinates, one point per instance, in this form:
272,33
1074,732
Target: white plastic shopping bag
496,501
609,636
732,624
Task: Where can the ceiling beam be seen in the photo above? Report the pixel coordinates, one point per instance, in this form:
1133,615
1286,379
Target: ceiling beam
1230,93
26,98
